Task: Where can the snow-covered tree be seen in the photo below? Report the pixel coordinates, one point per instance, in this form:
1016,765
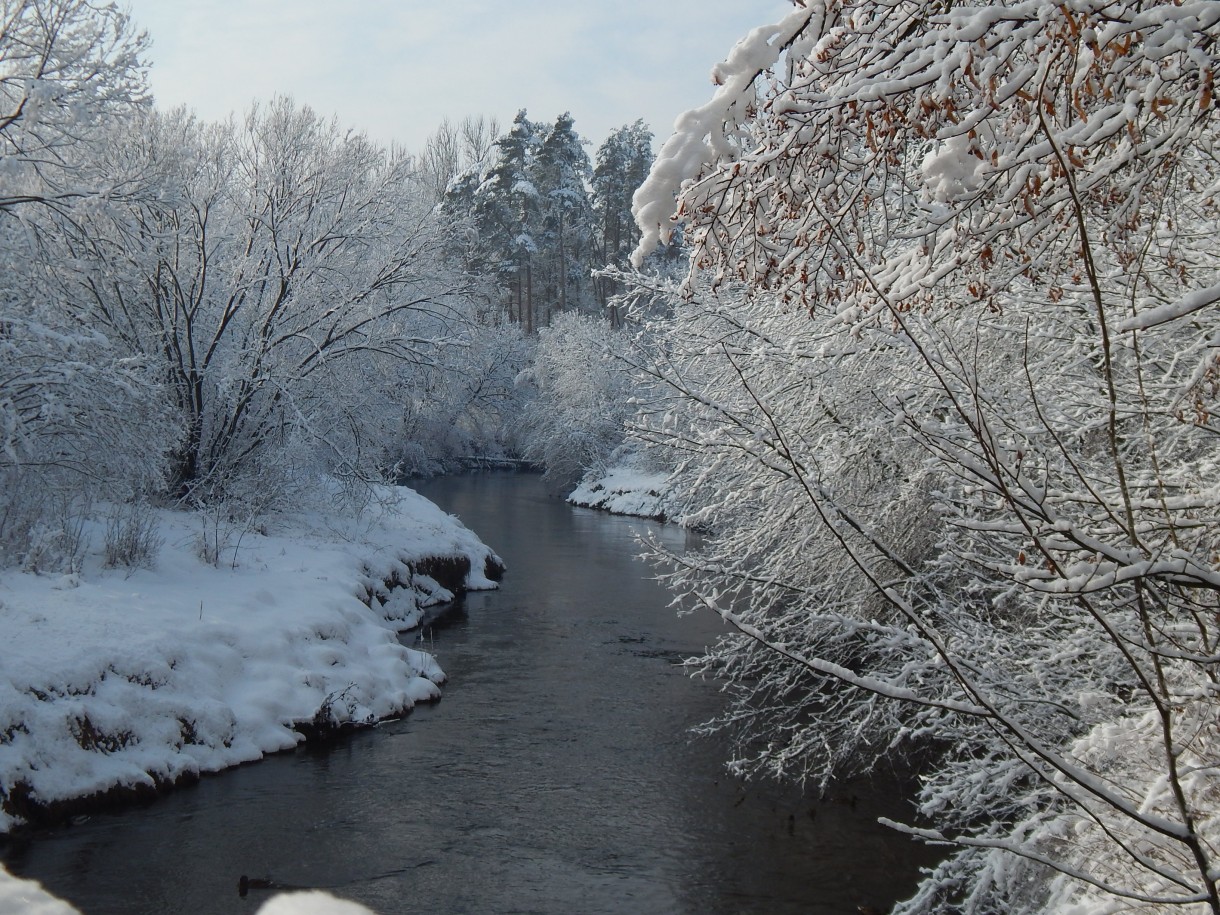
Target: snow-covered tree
79,421
561,174
224,309
456,150
467,405
582,397
80,418
946,378
285,279
503,210
527,221
621,165
68,69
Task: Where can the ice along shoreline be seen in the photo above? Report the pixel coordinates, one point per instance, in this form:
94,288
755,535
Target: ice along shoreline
119,684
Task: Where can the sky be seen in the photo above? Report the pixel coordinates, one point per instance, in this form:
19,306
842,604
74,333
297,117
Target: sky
396,68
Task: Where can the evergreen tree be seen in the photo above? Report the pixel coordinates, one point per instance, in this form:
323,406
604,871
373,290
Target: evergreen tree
622,165
505,210
539,219
623,162
561,175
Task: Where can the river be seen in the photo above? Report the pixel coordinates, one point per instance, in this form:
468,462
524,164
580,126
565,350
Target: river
557,774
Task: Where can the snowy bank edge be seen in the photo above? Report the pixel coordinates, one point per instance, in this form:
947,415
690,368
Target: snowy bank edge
624,490
143,701
26,897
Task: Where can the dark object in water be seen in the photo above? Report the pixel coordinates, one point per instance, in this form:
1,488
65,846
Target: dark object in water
245,884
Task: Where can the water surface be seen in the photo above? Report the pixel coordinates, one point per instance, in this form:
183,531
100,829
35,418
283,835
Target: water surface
557,774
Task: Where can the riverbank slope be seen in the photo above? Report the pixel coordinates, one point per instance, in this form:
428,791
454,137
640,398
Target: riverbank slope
625,489
234,643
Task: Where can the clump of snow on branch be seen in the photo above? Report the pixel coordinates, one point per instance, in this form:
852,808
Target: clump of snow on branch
711,133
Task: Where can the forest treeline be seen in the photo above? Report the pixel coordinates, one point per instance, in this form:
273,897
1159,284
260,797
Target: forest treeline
931,361
216,314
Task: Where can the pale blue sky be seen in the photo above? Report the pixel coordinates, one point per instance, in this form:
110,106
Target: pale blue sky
395,68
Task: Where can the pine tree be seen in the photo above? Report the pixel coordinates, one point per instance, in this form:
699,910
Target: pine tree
623,163
505,210
561,174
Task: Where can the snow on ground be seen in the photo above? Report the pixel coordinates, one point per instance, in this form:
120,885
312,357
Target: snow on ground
129,679
25,897
314,902
625,490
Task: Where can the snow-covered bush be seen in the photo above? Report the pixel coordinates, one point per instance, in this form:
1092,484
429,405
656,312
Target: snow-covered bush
467,404
132,537
79,417
944,377
77,422
582,397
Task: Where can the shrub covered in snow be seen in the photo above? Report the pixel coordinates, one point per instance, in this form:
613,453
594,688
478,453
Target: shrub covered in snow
943,379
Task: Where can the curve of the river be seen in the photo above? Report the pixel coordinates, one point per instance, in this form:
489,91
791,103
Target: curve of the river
557,774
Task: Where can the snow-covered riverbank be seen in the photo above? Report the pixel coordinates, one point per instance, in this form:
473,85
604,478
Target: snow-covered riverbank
625,490
121,681
25,897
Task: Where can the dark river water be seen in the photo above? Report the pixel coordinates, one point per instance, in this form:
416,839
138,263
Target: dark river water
557,774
